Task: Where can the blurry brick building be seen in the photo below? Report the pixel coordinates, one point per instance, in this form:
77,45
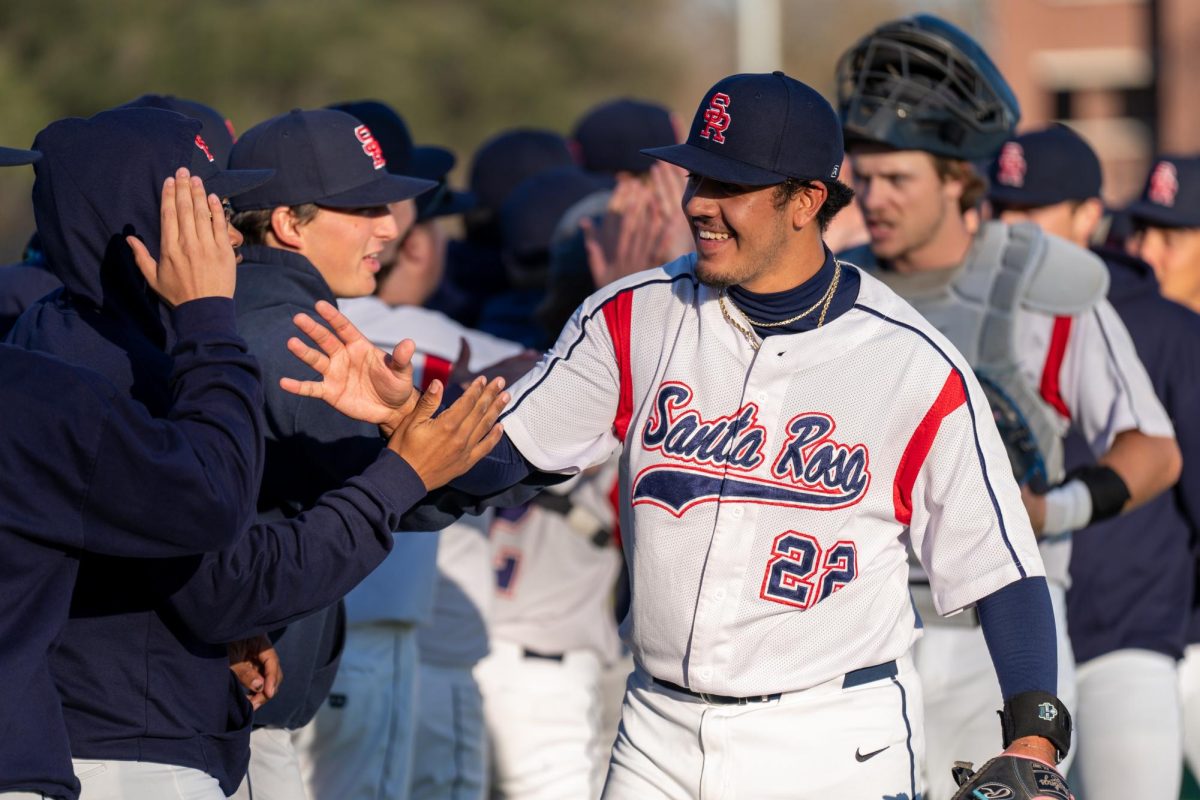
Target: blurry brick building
1124,73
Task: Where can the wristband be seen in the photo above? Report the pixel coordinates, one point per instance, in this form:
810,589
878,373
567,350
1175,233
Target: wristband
1037,714
1068,508
1107,489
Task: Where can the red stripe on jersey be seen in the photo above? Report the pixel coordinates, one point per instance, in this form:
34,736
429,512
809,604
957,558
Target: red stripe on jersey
952,396
618,315
435,369
1051,390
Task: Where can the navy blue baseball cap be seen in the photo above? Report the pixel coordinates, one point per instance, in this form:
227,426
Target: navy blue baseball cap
1044,167
508,158
12,157
216,130
760,130
1171,197
530,215
325,157
111,134
611,137
405,158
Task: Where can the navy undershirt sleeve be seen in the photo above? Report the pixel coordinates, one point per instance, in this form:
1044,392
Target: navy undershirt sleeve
499,469
1018,624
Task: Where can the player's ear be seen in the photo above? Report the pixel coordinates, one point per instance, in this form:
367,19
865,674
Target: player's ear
807,203
1085,219
285,227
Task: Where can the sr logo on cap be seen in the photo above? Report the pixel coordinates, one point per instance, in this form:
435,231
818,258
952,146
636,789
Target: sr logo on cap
370,146
201,144
1011,165
716,118
1164,184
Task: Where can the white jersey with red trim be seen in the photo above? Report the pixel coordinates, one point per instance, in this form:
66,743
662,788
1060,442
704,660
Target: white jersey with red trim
555,571
767,496
438,337
1088,370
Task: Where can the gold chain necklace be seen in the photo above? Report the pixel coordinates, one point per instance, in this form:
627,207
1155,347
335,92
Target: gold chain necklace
823,303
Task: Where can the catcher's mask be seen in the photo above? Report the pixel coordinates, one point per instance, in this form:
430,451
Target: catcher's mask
920,83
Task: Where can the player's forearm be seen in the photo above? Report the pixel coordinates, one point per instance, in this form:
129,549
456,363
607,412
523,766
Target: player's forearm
1018,625
1149,465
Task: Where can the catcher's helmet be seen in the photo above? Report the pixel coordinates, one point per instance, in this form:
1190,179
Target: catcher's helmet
920,83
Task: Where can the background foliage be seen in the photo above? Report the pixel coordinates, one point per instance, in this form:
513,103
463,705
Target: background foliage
457,70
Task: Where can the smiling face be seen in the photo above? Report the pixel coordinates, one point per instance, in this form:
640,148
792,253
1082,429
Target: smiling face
344,246
741,236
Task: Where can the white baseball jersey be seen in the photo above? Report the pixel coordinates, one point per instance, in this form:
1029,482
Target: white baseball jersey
766,496
553,584
1088,370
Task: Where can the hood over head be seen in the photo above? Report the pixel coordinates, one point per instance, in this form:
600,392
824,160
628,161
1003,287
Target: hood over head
100,180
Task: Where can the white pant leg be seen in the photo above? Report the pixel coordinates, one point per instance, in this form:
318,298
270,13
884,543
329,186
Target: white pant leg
143,780
543,722
360,744
806,745
23,796
1130,741
612,697
449,760
274,768
1189,691
962,696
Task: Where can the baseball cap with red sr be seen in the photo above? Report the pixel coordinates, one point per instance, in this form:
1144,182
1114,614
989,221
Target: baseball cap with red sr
760,130
324,157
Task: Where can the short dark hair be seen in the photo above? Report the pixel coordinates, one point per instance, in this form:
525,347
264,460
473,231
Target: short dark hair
254,225
838,196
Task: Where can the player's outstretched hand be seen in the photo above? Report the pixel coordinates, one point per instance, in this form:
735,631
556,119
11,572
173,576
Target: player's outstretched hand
256,665
195,256
357,378
442,448
511,368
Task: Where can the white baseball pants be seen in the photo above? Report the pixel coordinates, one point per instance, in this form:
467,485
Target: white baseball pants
360,744
143,780
858,743
449,762
543,721
1129,728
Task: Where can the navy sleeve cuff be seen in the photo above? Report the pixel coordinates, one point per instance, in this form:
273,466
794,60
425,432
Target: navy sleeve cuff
395,481
208,317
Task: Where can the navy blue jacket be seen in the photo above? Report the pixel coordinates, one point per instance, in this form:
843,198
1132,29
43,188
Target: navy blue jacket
73,449
311,448
1132,575
21,285
142,667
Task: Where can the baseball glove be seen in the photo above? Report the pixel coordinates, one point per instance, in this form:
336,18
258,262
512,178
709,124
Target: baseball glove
1027,463
1010,778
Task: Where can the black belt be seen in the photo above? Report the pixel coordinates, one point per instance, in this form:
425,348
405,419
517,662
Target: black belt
544,656
857,677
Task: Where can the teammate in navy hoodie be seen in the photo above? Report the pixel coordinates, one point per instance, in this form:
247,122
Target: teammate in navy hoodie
90,471
142,667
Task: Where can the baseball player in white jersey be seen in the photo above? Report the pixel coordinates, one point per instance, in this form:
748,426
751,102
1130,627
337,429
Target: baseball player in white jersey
1026,310
553,632
789,425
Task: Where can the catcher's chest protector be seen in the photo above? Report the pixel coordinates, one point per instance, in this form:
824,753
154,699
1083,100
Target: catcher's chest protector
975,306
